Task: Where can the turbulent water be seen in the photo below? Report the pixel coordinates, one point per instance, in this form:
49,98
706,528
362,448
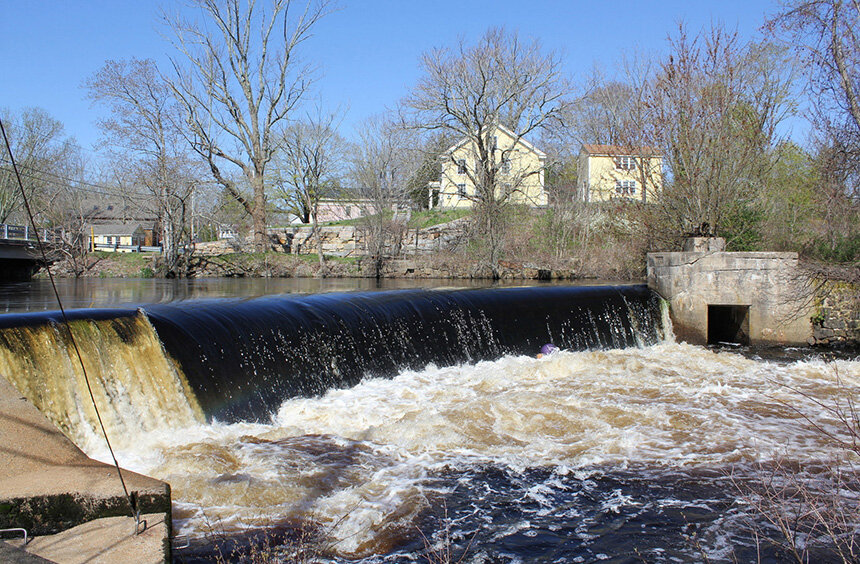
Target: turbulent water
579,456
647,451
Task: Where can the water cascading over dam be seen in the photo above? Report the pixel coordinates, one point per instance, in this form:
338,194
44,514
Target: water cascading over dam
384,421
237,360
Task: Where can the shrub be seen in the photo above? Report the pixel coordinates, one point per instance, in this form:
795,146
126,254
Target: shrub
814,516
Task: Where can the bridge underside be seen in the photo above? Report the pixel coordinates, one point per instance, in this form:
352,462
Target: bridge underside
17,269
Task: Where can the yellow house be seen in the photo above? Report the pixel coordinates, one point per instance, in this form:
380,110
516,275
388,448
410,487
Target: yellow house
519,165
609,172
116,237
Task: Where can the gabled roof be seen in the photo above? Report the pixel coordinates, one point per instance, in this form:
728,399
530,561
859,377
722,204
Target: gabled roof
510,133
115,229
97,210
618,150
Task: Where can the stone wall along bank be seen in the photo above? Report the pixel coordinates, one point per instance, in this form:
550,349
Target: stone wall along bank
345,240
836,318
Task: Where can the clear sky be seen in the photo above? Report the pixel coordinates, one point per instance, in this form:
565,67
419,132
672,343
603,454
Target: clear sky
367,50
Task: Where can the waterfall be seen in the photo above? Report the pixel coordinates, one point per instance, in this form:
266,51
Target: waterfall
171,365
244,357
136,386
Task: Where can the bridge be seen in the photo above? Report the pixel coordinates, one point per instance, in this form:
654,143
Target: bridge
19,250
20,257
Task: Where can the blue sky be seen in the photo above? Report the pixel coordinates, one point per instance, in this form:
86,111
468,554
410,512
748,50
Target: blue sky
367,50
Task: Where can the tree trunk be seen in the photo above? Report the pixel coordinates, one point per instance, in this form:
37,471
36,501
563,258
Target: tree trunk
258,213
316,232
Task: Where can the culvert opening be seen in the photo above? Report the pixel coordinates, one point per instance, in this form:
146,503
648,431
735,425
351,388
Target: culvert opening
728,324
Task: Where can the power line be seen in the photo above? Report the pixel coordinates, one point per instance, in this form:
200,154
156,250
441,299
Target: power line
73,183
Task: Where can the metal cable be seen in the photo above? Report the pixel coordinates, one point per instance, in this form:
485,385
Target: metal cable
135,513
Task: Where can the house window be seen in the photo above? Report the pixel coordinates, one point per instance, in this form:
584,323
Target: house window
495,142
625,187
461,190
506,165
109,240
625,163
461,166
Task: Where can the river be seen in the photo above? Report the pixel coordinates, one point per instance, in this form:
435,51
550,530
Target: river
38,295
626,446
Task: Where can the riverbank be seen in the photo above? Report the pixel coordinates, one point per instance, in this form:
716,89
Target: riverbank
442,265
280,265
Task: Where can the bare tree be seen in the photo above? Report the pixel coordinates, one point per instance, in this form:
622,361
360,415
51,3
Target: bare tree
601,115
144,130
826,35
430,150
382,165
239,85
469,91
309,168
49,163
713,109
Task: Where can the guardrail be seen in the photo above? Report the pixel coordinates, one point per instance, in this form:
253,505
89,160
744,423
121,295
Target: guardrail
24,234
115,247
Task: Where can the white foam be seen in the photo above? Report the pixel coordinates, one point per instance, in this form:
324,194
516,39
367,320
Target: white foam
358,460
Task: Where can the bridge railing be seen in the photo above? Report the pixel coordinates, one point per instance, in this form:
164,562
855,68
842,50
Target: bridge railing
24,233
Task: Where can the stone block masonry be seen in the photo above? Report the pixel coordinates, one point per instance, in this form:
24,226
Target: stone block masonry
750,298
837,313
349,240
345,240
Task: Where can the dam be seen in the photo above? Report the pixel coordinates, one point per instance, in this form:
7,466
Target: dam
382,424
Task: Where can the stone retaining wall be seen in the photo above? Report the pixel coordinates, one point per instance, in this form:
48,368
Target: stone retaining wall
337,241
837,313
344,240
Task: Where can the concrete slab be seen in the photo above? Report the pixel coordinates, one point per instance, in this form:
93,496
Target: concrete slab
106,540
10,554
48,485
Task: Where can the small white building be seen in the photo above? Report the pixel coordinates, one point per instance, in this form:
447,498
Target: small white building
228,232
116,237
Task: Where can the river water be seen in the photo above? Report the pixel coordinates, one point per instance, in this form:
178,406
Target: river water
38,295
649,453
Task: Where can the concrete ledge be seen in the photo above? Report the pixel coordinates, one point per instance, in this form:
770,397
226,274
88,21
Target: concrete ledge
10,554
107,540
736,260
48,485
48,514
